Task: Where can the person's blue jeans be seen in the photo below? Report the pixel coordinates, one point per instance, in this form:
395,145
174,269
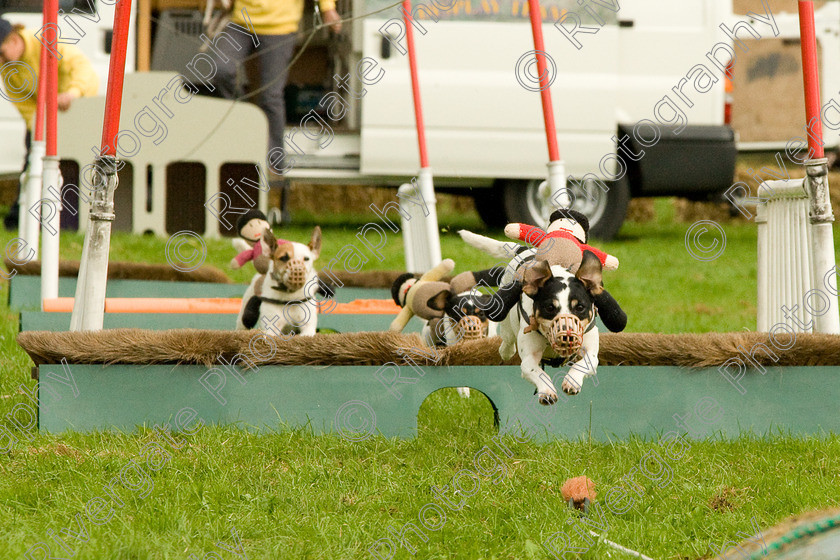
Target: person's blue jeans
272,59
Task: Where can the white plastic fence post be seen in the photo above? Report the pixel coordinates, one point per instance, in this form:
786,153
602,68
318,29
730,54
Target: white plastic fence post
421,238
50,228
30,194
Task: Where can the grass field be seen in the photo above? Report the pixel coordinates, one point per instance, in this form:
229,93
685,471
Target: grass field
289,494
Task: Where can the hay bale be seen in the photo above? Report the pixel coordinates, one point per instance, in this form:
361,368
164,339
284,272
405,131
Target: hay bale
190,346
207,347
641,210
690,211
329,200
130,271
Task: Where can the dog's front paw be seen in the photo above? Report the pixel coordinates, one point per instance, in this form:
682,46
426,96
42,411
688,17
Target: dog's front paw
570,386
543,387
547,399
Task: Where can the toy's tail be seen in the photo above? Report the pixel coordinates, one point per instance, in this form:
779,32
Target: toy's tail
498,249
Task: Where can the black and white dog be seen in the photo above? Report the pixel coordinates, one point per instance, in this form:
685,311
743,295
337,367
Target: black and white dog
285,295
449,315
550,315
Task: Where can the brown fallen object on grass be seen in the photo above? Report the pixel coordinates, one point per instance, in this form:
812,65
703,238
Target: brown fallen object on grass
189,346
579,492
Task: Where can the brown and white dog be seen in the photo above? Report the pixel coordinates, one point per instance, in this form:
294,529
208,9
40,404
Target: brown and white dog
282,300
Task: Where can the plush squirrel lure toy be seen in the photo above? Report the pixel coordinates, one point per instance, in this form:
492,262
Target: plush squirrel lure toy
404,294
250,245
564,242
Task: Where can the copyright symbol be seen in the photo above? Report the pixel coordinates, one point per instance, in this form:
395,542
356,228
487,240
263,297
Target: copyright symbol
713,246
355,420
528,75
22,88
175,251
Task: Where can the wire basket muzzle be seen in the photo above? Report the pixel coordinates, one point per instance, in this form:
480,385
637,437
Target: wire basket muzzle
295,274
565,335
471,327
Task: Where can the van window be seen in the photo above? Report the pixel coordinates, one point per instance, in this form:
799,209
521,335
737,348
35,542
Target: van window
505,10
37,6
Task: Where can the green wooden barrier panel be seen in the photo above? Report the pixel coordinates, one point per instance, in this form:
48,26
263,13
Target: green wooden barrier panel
25,291
360,401
42,321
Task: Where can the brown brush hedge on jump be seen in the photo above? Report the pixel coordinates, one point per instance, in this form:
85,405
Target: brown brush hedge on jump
206,347
130,271
206,273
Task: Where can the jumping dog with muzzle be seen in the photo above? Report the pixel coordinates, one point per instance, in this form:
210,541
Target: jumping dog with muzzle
547,314
450,314
285,294
554,323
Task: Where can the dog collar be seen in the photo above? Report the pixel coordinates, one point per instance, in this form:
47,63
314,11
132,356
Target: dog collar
281,287
403,293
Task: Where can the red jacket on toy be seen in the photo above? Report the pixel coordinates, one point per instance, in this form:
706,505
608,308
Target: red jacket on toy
537,237
564,242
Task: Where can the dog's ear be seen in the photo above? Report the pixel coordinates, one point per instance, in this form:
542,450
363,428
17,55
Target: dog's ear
506,299
438,301
589,273
315,242
262,262
269,241
535,277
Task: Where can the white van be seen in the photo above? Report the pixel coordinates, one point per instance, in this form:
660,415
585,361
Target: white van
622,72
483,115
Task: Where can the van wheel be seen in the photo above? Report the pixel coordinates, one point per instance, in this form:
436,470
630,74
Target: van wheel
605,210
490,205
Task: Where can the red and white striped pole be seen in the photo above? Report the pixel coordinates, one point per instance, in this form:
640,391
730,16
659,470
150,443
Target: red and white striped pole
816,168
415,85
32,179
51,185
89,309
556,182
811,78
420,234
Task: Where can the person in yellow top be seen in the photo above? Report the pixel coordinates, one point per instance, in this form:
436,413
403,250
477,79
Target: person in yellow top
20,57
274,24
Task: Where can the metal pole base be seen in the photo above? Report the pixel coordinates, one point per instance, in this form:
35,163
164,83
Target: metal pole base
89,306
